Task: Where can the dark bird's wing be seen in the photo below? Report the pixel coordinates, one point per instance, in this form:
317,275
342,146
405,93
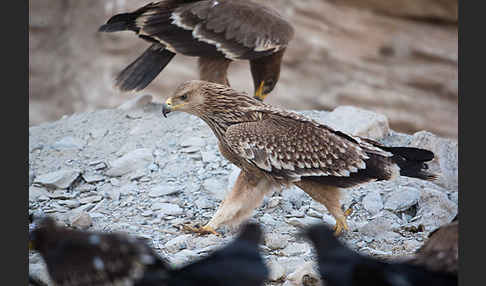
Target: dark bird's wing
76,257
237,264
238,29
340,266
441,250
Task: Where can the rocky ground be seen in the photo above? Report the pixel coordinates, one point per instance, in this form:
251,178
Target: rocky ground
131,170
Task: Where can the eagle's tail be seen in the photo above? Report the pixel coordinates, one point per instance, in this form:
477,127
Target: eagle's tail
412,161
144,69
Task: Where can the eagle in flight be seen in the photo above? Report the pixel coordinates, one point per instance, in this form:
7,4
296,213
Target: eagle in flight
274,147
215,31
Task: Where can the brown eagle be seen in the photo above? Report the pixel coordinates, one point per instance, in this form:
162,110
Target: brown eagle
216,31
274,147
75,257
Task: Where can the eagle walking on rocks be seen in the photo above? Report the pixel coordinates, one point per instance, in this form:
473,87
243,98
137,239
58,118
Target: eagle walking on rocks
275,148
216,31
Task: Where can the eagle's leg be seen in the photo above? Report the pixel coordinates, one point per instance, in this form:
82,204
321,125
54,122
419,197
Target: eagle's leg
214,69
329,197
246,195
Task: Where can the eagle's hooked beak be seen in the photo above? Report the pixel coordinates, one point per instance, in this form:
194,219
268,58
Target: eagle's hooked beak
259,93
167,107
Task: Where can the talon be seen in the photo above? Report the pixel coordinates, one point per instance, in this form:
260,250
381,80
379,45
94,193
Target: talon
340,226
200,230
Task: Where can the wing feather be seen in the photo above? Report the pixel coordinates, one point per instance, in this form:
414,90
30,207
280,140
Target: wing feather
291,148
238,29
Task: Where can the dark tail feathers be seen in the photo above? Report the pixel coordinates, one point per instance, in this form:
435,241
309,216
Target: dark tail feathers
144,69
412,161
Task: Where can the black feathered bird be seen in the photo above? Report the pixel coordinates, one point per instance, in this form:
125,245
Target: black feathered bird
216,31
341,266
75,257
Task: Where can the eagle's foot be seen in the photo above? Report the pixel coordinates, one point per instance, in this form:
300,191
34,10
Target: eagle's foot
200,230
341,224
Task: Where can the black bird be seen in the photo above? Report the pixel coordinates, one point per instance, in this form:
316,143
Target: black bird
341,266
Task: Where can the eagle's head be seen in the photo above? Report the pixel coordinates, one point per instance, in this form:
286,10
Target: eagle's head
206,99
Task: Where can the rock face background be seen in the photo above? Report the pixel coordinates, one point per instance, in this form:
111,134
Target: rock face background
131,170
396,57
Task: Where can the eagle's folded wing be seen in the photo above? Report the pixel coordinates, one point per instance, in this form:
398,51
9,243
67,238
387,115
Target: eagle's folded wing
291,148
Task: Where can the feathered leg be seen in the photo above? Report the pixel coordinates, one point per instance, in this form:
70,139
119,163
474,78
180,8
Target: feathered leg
328,196
214,70
246,195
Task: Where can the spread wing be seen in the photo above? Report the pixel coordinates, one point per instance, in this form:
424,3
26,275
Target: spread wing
289,146
236,29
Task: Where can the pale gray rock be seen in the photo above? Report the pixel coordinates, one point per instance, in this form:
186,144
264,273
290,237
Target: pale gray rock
178,243
454,196
39,271
445,162
90,199
127,189
192,142
61,195
402,199
305,275
358,122
294,195
92,178
36,192
72,204
68,142
81,220
372,202
209,156
379,229
273,202
435,209
204,203
183,257
276,240
267,219
277,271
61,179
98,133
164,190
132,161
303,222
167,209
295,249
216,187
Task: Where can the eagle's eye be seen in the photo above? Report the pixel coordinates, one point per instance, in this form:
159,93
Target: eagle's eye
183,97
